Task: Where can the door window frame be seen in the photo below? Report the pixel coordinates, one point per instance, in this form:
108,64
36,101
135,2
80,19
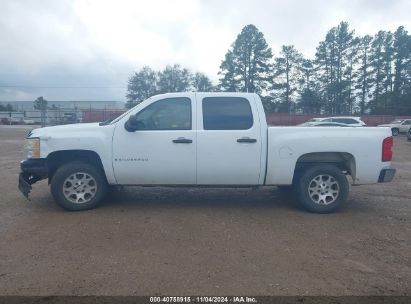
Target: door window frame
192,117
200,126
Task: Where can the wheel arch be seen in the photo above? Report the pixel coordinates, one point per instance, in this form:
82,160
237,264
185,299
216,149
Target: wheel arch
58,158
343,160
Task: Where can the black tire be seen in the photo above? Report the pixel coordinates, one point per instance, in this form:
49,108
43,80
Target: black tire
395,131
327,201
93,179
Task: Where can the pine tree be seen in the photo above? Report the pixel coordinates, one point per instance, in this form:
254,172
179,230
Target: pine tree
287,76
364,81
377,69
401,59
247,67
388,75
310,100
332,57
229,82
350,74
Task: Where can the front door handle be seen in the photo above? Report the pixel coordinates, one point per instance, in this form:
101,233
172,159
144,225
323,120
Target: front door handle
246,140
182,140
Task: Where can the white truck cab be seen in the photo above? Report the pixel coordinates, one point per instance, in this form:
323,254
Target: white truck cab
204,139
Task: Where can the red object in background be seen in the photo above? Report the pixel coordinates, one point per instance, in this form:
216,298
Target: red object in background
285,119
102,115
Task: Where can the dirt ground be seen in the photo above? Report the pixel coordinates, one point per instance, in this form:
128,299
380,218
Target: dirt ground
150,241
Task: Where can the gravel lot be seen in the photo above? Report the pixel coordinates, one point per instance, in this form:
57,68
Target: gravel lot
149,241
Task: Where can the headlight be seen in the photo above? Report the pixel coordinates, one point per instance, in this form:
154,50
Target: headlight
32,148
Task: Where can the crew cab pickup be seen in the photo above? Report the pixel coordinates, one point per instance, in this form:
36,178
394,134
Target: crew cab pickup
204,139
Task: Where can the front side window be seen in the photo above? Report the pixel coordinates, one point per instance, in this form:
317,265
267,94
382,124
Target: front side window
407,122
227,113
166,114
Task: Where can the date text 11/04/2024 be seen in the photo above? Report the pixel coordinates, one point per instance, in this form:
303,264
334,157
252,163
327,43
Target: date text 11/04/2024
203,299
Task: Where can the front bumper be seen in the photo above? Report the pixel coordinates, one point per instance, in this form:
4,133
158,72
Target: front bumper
386,175
32,170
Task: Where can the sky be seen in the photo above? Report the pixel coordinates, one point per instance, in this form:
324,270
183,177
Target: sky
88,49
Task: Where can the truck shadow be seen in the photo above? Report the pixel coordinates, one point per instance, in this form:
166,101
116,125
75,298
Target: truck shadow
267,197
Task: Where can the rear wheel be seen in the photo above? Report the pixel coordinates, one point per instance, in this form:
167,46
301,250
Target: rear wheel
322,189
395,131
78,186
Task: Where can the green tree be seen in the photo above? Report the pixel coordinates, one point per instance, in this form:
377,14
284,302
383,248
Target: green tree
402,51
147,82
388,73
349,76
333,60
309,101
141,85
377,69
229,82
307,69
364,80
247,65
41,104
287,77
201,83
174,79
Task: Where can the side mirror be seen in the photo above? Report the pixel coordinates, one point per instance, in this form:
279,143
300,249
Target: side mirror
133,124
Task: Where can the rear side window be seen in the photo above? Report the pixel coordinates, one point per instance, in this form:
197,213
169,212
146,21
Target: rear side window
348,121
227,113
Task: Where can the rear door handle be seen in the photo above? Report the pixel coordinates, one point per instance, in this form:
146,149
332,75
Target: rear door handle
182,140
246,140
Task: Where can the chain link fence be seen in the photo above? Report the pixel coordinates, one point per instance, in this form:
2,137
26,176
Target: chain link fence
69,116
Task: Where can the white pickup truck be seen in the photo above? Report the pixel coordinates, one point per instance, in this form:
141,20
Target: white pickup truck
204,139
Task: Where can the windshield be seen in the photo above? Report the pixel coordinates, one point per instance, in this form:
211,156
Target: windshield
396,121
121,116
124,114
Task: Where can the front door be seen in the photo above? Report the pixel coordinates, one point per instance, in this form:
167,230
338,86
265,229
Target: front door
163,148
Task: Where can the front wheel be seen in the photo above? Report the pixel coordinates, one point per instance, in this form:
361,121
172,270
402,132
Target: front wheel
322,189
78,186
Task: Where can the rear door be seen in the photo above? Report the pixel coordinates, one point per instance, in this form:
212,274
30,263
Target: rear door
229,143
